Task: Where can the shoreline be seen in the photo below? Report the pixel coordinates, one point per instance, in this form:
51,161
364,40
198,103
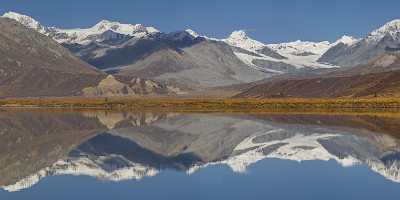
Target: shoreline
206,104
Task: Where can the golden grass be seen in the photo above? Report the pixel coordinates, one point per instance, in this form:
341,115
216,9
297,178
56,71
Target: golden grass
210,104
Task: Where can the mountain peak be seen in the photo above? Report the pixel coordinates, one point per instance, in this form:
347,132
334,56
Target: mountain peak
240,39
391,28
18,16
127,29
82,35
300,47
347,40
104,21
25,20
192,32
239,34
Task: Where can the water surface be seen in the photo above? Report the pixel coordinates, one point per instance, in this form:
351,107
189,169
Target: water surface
137,155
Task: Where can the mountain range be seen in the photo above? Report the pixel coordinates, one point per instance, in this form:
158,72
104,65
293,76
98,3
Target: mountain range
133,59
34,65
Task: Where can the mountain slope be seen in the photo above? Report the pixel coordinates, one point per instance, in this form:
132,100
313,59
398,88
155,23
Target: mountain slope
385,39
184,58
190,61
381,77
86,35
34,65
205,63
177,58
292,57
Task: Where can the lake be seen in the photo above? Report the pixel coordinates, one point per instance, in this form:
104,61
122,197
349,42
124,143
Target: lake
146,155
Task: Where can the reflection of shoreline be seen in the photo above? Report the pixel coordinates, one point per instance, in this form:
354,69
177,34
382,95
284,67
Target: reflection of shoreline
112,119
188,142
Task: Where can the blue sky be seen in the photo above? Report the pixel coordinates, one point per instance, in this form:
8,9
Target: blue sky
266,20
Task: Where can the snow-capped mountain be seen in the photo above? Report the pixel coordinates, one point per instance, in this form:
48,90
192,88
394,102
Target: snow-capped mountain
83,35
278,58
27,21
391,29
301,48
271,59
241,40
137,50
346,40
312,50
385,39
192,32
106,29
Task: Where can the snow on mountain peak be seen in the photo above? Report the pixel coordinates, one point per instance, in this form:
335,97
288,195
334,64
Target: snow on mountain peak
391,28
301,47
347,40
103,22
241,40
240,34
26,21
126,29
192,32
82,36
85,35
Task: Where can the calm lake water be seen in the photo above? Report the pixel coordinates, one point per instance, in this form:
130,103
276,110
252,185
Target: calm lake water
128,155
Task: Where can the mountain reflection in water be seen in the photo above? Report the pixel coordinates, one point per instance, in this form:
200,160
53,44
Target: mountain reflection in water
117,146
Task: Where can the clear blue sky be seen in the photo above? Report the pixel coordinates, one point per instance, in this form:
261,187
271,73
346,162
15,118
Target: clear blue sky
265,20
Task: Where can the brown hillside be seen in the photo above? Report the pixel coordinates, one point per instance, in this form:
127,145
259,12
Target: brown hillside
33,65
355,82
